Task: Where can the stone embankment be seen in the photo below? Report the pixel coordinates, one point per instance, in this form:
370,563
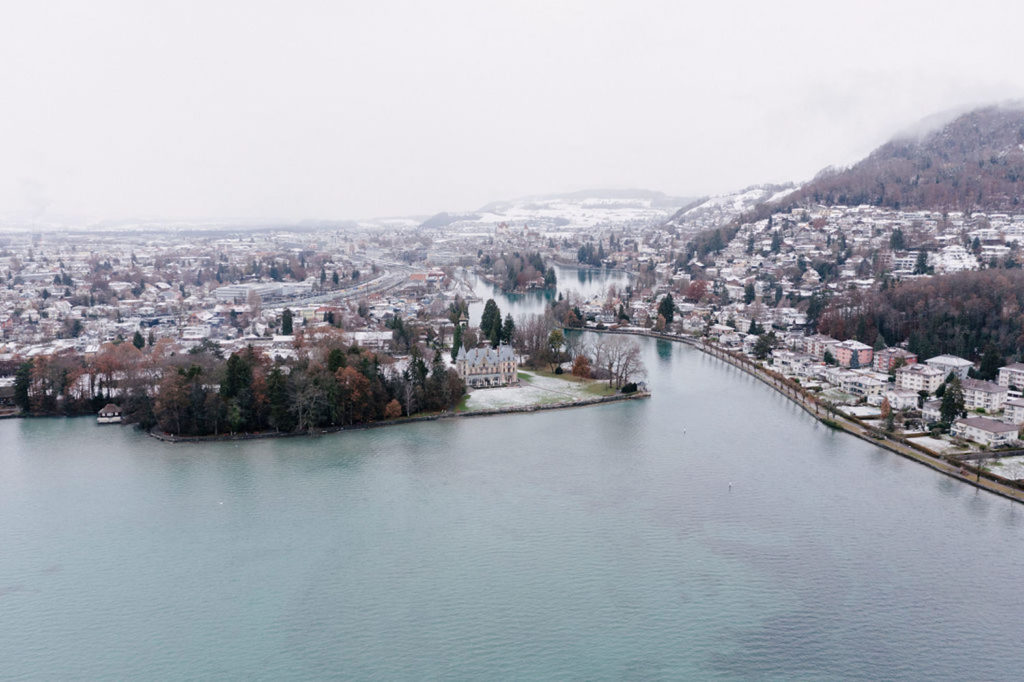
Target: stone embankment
951,465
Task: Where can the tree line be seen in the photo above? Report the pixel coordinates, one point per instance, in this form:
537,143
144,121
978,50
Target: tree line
330,384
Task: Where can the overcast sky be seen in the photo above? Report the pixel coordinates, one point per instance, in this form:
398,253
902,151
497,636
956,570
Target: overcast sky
291,110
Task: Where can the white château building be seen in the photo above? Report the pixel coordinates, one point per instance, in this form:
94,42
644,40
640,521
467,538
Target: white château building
483,367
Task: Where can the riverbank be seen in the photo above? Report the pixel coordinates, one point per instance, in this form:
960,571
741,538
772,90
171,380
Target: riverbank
967,473
489,412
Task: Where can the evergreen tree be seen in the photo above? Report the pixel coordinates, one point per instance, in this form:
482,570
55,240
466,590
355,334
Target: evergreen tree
456,341
490,322
286,322
991,361
137,340
748,293
22,382
508,330
952,405
667,308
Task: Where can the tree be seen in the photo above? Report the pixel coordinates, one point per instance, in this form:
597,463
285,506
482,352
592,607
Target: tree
393,409
764,345
456,341
991,361
581,366
555,340
667,308
952,405
748,293
829,358
286,322
508,329
697,290
22,383
490,322
921,264
137,340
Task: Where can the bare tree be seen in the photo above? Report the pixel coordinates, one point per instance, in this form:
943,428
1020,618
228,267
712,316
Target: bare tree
619,358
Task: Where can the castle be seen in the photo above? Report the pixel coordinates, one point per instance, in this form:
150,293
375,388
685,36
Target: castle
483,367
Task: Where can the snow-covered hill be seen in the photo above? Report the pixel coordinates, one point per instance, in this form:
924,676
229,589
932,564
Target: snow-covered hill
716,211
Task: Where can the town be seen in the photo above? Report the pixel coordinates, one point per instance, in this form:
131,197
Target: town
764,288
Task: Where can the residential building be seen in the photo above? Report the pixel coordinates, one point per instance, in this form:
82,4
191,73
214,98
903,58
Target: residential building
950,363
819,343
983,395
1013,411
853,353
919,378
886,359
985,431
1012,375
483,367
931,411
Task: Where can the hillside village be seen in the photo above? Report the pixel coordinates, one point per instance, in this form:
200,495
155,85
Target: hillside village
854,302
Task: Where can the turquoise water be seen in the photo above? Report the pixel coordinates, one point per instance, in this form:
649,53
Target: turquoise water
595,543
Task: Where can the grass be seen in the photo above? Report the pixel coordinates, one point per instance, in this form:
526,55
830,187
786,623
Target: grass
523,376
461,407
600,388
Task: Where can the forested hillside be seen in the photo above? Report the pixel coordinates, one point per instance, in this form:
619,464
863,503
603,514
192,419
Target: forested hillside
960,313
975,162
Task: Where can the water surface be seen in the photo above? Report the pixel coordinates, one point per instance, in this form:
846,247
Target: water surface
595,543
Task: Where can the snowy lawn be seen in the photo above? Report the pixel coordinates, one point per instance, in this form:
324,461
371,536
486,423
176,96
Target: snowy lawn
533,389
1007,467
936,445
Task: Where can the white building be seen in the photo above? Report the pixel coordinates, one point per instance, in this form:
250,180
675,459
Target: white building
950,363
983,395
1013,411
483,367
919,378
984,430
1012,375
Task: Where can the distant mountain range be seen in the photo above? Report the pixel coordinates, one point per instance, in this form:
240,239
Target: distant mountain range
571,210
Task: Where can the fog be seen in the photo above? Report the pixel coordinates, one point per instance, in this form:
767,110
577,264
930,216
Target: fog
332,110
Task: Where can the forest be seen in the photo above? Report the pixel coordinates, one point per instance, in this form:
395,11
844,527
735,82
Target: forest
962,314
200,392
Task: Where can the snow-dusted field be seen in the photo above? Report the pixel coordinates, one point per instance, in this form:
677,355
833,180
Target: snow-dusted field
1007,467
539,390
936,444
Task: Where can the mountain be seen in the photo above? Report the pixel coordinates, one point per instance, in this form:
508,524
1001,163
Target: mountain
716,211
974,162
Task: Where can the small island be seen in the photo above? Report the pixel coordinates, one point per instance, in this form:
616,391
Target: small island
514,273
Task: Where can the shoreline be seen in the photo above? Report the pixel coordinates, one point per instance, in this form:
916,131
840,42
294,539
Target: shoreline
495,412
840,422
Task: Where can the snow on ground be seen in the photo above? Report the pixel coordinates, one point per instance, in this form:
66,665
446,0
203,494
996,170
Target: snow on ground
936,444
1007,467
863,411
539,390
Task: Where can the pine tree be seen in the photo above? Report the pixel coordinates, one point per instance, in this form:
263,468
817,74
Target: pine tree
508,330
667,308
456,342
952,405
286,322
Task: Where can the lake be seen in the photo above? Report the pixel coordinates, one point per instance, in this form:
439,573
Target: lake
594,543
